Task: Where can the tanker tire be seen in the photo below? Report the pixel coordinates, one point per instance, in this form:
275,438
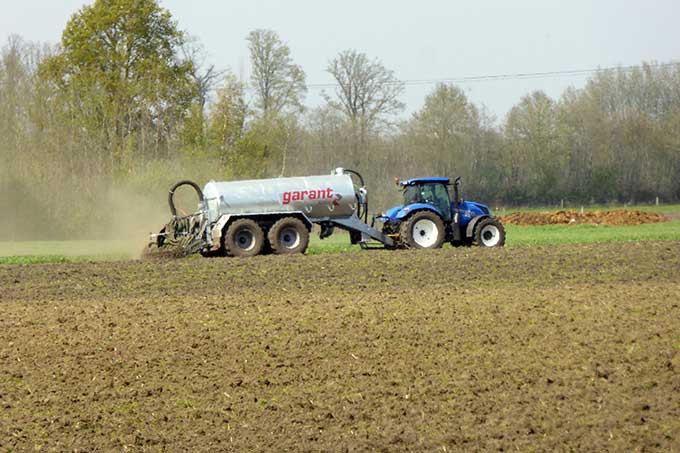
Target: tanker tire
489,233
244,238
288,235
423,230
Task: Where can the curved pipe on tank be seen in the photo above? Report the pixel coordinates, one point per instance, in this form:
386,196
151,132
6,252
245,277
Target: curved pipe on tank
357,174
171,195
361,206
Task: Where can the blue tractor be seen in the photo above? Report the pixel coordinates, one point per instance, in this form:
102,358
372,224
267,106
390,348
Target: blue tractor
430,216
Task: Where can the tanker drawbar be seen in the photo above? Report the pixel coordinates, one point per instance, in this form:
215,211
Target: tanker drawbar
247,218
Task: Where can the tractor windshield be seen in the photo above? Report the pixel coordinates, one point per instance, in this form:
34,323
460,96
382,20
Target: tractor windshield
411,195
434,194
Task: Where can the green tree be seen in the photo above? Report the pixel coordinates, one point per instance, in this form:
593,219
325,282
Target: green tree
534,158
262,151
451,136
585,135
444,130
120,78
228,116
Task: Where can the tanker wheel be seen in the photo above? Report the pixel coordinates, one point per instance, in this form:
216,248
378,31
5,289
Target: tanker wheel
489,233
423,230
244,237
288,235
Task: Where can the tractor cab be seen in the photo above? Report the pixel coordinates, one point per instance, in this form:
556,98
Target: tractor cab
429,191
433,193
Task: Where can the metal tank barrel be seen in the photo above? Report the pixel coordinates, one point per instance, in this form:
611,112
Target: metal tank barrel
328,196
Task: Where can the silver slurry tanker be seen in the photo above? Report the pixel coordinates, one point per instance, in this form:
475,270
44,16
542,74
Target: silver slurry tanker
245,218
314,196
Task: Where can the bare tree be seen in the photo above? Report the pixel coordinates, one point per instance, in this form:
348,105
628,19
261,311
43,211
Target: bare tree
279,83
367,91
205,77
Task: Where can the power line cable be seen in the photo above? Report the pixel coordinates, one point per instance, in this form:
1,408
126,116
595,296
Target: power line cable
515,76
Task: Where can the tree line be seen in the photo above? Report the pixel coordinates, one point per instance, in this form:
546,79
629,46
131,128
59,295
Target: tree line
127,99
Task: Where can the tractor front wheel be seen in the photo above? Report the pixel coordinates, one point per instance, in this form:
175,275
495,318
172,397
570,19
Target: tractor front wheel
423,230
489,233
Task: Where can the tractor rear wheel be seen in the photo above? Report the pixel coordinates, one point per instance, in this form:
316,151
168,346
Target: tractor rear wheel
423,230
288,235
489,233
244,237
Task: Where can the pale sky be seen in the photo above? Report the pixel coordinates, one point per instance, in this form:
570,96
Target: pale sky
426,39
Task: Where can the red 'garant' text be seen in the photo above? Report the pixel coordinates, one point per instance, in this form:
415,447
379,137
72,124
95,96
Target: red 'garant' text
299,195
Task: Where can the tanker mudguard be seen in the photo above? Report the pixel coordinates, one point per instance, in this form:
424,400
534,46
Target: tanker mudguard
216,233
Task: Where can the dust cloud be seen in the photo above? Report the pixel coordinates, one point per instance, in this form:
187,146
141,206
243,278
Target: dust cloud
118,220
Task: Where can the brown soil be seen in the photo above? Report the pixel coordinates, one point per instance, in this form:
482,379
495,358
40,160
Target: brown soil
570,348
616,217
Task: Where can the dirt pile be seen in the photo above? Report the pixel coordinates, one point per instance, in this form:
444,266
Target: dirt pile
615,217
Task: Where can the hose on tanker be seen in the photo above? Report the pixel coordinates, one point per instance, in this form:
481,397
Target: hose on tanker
362,198
171,195
357,174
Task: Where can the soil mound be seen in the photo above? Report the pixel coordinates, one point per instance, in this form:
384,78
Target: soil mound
615,217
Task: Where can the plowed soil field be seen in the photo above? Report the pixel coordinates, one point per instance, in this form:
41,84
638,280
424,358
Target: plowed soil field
568,348
615,217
